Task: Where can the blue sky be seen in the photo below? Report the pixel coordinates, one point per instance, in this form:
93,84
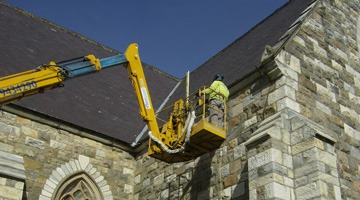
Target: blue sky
174,36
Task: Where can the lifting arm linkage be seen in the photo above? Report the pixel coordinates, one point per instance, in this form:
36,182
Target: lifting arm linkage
47,77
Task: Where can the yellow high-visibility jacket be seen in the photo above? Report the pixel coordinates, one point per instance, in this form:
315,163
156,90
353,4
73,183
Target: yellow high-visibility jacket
217,90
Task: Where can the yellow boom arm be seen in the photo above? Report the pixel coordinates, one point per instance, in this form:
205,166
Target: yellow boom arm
137,77
170,143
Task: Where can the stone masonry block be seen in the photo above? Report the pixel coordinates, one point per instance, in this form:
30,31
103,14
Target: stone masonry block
323,108
326,68
84,161
29,132
46,193
272,168
286,70
287,81
42,197
338,52
50,184
64,169
351,132
288,161
288,103
308,168
250,99
352,71
6,128
327,158
325,92
337,193
284,91
57,145
355,99
6,147
102,183
270,155
321,176
236,110
73,166
57,176
159,179
34,142
96,174
49,189
306,145
61,172
308,191
276,190
336,65
250,122
239,151
350,113
10,193
355,152
289,182
230,180
264,180
253,194
164,194
299,40
225,170
170,178
128,171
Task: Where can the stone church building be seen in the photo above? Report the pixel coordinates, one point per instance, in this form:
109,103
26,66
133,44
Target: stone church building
293,115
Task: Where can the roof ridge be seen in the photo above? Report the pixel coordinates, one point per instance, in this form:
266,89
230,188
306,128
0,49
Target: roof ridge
292,29
162,72
81,36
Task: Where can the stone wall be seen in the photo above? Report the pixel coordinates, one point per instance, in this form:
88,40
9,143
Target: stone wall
51,156
293,137
327,50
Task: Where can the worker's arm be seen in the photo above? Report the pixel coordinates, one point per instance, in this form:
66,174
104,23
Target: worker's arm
212,88
217,90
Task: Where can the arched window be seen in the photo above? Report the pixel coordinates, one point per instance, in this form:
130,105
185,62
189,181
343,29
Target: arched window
76,179
78,187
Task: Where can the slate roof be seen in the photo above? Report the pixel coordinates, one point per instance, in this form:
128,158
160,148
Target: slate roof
243,56
104,102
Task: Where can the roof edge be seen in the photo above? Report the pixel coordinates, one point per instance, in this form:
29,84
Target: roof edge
270,53
66,126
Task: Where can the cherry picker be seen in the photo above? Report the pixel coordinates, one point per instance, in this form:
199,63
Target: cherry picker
186,135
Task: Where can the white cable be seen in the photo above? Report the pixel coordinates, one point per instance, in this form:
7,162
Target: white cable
188,126
164,146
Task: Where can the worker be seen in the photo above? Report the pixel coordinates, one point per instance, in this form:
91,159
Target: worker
218,95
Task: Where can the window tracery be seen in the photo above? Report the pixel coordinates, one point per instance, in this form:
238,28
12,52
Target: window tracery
79,187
